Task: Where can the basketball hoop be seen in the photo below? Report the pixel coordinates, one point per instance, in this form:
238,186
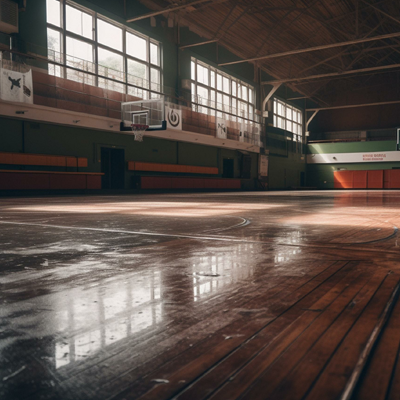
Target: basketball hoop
138,130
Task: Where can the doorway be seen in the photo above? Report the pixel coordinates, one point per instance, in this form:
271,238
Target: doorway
228,168
113,167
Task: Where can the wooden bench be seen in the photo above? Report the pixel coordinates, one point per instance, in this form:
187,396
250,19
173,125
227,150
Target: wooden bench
48,180
156,167
43,160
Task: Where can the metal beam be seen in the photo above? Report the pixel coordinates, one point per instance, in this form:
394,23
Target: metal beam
382,103
198,44
269,95
168,9
332,74
311,118
316,48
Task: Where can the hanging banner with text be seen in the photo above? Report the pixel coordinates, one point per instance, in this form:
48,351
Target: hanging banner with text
16,86
344,158
222,131
174,118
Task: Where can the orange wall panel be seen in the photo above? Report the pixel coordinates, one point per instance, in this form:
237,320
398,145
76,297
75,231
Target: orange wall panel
343,179
375,179
360,179
82,162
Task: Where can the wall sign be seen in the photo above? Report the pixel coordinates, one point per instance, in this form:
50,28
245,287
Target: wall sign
344,158
16,86
174,118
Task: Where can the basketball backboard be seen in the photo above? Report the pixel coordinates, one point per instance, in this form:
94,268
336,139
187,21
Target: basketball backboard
144,112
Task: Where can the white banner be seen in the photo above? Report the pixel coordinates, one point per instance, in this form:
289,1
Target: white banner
263,167
341,158
16,86
241,133
222,130
174,118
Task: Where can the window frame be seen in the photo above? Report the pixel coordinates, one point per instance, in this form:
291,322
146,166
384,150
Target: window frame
231,111
280,119
146,89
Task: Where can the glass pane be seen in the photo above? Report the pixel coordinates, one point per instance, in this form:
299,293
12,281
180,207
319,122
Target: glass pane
275,108
212,78
79,22
80,76
288,113
250,95
219,82
233,88
109,35
202,94
55,70
294,116
111,65
154,54
53,12
244,93
219,101
193,70
226,103
137,74
54,45
212,104
202,74
80,54
136,46
155,82
226,85
289,126
193,92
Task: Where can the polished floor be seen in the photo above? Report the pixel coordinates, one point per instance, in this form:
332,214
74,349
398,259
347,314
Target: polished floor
265,295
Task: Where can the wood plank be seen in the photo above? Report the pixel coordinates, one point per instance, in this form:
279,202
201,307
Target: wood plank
377,377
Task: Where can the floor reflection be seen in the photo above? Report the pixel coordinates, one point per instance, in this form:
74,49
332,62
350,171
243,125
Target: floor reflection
212,273
103,318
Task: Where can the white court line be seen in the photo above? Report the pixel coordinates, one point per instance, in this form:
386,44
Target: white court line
131,232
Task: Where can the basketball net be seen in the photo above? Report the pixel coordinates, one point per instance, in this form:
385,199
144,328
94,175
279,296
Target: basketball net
138,131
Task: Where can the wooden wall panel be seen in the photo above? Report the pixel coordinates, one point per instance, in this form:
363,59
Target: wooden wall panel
173,168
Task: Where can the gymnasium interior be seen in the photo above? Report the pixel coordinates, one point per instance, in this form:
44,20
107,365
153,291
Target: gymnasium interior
199,199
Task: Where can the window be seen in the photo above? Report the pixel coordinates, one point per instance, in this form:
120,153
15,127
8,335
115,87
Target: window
113,57
216,90
289,118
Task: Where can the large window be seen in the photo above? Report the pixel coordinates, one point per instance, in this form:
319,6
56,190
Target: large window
216,90
288,118
89,48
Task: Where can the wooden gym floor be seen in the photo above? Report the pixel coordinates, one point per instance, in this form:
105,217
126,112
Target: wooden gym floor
285,295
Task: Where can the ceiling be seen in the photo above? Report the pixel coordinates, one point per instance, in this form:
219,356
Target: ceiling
256,28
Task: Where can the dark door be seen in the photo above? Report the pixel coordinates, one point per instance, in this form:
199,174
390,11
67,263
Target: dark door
113,167
302,179
228,169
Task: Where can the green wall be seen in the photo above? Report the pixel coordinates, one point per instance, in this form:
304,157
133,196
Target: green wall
41,138
321,175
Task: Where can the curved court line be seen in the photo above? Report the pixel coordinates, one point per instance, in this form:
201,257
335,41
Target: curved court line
244,222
